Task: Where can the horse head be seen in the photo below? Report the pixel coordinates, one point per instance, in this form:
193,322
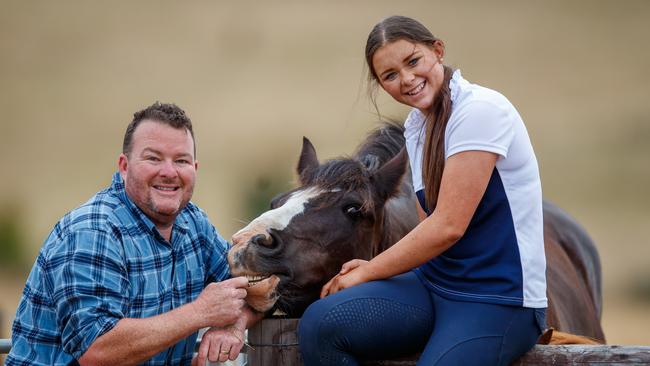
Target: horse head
340,211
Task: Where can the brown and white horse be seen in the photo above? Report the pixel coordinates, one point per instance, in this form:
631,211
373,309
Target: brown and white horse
356,207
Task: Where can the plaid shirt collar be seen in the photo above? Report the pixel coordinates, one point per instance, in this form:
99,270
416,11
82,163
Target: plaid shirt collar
117,186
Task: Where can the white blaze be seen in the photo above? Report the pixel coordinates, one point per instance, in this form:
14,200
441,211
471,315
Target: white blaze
280,217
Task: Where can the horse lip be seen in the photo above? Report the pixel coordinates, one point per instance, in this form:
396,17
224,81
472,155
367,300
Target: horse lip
263,295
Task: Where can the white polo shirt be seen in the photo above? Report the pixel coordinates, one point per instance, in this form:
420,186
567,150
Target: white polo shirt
500,258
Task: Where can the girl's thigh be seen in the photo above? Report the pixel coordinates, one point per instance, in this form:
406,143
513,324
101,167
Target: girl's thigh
469,333
374,320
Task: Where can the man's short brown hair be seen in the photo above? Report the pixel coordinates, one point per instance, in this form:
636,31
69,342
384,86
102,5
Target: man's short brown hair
166,113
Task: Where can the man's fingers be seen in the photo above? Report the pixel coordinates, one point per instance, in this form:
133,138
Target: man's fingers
203,353
224,354
234,351
240,293
235,282
213,355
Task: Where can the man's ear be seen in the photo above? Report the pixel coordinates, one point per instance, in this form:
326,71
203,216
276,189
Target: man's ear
122,165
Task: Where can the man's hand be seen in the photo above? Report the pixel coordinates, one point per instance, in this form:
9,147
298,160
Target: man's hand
220,304
220,345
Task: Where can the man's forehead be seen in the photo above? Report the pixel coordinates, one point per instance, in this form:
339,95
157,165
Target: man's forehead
154,135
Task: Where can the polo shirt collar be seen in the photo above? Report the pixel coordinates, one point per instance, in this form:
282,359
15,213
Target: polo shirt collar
414,124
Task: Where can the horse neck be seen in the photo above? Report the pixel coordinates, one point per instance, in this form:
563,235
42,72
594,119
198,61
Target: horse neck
396,219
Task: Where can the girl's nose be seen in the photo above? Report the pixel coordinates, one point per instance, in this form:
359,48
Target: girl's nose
407,77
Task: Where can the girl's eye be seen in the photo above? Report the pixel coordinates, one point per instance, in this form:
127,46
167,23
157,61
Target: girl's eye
390,76
414,61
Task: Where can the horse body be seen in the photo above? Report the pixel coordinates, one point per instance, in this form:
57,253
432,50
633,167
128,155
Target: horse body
357,207
573,276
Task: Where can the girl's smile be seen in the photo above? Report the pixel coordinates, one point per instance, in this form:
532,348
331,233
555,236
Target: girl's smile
409,72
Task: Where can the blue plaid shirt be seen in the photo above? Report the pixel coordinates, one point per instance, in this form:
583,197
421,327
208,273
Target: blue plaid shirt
105,261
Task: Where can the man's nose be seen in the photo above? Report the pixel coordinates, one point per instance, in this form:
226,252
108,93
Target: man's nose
168,169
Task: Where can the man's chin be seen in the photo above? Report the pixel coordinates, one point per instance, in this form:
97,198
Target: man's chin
164,213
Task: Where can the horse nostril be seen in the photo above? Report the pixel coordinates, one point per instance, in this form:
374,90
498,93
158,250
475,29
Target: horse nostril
261,239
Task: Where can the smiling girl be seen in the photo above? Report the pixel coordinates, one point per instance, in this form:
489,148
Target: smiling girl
467,285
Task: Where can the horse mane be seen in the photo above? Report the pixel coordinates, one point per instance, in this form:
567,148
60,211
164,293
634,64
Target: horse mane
351,173
381,145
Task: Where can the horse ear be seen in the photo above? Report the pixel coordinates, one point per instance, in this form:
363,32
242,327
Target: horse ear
387,179
308,161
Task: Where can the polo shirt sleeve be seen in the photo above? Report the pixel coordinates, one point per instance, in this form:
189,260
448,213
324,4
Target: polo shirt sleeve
89,285
480,125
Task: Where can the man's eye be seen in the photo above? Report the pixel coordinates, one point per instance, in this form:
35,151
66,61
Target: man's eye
182,161
152,158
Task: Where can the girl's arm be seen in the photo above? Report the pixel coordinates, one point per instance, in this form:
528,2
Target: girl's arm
464,181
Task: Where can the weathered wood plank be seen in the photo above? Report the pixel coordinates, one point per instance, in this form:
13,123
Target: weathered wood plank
586,355
290,352
582,355
276,343
255,337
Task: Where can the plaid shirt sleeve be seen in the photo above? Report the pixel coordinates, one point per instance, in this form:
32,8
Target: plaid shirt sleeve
89,287
216,249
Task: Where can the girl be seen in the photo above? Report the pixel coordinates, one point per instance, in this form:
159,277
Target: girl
467,285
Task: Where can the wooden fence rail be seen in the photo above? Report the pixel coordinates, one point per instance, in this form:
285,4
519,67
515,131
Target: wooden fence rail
275,343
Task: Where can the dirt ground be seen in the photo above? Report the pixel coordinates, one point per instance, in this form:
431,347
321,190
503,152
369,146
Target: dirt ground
255,78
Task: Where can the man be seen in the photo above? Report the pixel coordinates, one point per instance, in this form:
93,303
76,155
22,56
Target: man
131,275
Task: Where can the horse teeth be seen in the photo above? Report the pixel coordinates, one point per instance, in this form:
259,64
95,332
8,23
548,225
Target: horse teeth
255,278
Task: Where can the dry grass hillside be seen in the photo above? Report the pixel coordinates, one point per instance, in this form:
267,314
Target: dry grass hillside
255,77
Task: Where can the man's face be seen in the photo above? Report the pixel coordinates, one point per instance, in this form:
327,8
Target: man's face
160,171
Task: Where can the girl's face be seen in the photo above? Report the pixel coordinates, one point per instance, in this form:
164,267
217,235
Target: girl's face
411,73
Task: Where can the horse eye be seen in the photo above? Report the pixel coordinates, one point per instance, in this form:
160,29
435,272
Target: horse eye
352,210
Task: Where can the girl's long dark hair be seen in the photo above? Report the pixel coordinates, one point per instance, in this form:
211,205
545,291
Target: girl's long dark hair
433,163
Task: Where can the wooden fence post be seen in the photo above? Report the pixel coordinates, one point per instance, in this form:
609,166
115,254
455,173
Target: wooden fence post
275,342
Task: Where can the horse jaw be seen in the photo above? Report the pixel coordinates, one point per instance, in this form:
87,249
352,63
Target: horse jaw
262,295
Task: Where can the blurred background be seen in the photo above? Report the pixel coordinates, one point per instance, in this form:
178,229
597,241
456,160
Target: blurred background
257,76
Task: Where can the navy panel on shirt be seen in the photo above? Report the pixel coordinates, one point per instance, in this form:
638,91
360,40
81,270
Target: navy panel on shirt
484,265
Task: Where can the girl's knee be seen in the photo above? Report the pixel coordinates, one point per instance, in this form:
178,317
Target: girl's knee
314,324
310,319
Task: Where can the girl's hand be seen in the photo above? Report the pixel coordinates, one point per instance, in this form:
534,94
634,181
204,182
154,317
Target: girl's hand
352,273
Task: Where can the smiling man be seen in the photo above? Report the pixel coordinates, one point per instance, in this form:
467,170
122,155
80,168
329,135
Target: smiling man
131,275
